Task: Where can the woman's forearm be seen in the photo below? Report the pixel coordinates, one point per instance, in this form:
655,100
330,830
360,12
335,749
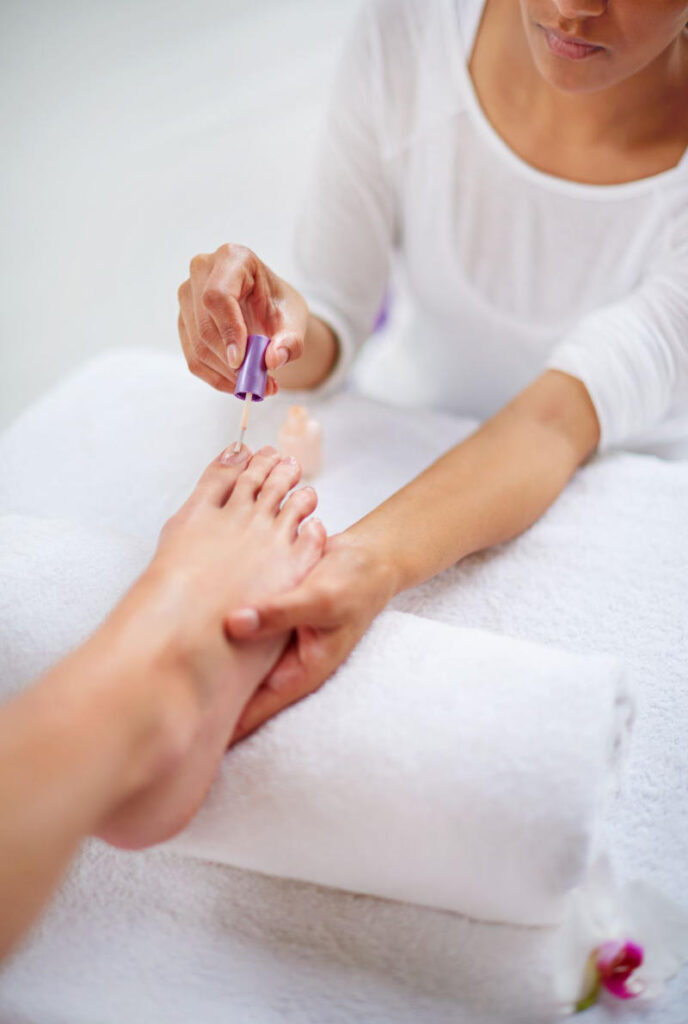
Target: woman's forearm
485,490
320,354
490,487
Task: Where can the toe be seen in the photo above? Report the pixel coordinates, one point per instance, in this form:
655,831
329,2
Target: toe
310,545
297,507
285,475
219,479
249,483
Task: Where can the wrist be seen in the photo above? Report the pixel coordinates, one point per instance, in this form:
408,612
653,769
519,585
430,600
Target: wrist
378,565
320,355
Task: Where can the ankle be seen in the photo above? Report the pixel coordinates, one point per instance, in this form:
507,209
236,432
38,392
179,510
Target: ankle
146,709
144,695
172,670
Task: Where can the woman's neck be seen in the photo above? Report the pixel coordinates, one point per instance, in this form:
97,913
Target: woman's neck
630,130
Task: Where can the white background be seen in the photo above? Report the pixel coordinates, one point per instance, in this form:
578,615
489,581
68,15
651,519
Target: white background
135,134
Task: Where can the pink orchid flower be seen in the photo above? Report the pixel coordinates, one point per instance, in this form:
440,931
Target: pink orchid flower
616,962
610,966
600,916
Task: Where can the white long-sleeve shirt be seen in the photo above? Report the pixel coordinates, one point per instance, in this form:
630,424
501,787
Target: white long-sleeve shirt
510,270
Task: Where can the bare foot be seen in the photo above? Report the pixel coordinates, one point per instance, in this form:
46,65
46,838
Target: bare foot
235,542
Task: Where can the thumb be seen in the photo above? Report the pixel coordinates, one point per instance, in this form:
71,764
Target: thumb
286,346
299,607
302,668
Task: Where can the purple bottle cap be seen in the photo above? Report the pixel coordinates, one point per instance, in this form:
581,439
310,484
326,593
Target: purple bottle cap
253,373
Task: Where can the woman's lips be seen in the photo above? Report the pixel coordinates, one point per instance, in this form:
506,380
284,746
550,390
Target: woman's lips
567,47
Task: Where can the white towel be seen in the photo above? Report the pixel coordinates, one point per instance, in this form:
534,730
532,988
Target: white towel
157,938
442,766
58,581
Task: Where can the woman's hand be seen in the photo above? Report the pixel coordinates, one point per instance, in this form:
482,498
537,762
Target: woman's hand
329,612
230,294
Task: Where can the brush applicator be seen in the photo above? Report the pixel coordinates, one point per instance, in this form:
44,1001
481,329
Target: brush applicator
251,380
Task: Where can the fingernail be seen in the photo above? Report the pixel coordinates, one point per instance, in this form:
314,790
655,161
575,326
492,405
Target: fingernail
230,457
279,681
247,619
233,355
281,356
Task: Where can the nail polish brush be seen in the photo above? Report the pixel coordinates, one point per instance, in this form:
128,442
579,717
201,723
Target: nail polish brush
251,380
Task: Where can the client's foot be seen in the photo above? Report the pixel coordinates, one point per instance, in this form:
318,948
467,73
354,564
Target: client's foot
235,542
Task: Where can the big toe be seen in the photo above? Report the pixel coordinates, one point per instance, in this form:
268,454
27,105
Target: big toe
220,477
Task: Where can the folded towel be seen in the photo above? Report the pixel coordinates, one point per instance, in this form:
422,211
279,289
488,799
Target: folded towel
442,766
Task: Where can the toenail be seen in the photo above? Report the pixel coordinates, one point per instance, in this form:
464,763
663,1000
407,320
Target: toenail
231,458
289,460
247,618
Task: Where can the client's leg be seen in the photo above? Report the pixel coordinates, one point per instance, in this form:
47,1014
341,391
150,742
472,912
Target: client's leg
235,542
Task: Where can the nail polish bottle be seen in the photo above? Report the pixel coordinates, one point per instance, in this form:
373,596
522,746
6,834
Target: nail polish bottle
301,437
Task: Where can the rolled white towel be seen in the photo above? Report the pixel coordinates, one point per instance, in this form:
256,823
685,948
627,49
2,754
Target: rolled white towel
442,766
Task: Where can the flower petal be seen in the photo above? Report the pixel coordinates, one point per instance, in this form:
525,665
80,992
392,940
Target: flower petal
618,959
609,955
623,988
